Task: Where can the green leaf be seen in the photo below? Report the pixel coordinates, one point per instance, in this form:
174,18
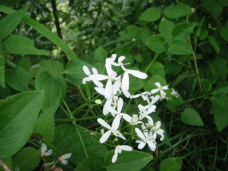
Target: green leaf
214,43
89,164
191,117
183,30
129,33
74,71
144,34
135,83
44,31
199,31
18,44
207,86
27,159
18,78
2,66
219,110
151,14
171,164
100,54
8,163
180,47
157,69
150,84
45,125
156,43
177,11
52,66
224,32
54,89
18,116
165,28
79,143
10,22
174,103
128,160
25,63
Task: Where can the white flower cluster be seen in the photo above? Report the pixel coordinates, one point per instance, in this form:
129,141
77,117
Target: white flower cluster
115,85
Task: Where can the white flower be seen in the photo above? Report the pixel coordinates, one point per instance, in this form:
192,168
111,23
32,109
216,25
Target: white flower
119,149
145,96
64,157
157,130
113,129
160,88
44,151
145,139
135,120
144,111
174,93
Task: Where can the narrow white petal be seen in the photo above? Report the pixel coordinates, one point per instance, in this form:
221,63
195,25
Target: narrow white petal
116,86
111,110
126,148
103,123
135,96
154,91
85,80
49,152
141,145
121,136
43,147
106,106
86,70
113,57
100,90
67,156
125,81
158,84
151,109
126,92
151,145
98,77
105,136
158,124
165,87
116,122
114,158
138,74
64,161
139,133
162,137
126,117
94,70
108,89
120,105
155,99
121,58
98,83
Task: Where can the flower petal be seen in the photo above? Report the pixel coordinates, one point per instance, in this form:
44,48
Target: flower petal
165,87
100,90
126,148
116,86
141,145
139,133
108,89
49,152
111,110
120,105
151,145
114,158
105,136
94,70
121,58
151,109
99,77
103,123
126,117
158,84
121,136
126,92
67,156
86,70
154,91
106,106
155,99
138,74
43,148
98,83
64,161
116,122
125,81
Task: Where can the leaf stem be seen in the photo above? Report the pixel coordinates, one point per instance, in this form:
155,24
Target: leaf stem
152,61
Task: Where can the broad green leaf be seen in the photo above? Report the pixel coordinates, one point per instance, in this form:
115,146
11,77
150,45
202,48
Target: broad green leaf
54,89
214,43
165,28
177,11
89,164
70,140
4,92
44,31
100,54
135,83
2,66
129,33
148,168
191,117
18,78
18,116
180,47
173,67
150,84
45,125
74,71
219,110
144,34
174,103
52,66
171,164
157,69
150,14
156,43
18,44
10,22
200,28
207,86
27,159
183,30
25,63
128,160
138,58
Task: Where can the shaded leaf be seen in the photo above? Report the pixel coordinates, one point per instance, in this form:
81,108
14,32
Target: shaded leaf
89,164
214,43
171,164
174,103
156,43
183,30
177,11
100,54
165,28
18,116
2,66
52,66
191,117
150,14
207,86
144,34
157,69
129,33
180,47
